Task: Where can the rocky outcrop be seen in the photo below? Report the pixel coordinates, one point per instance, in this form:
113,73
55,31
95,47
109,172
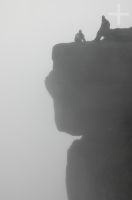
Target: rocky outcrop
91,86
118,34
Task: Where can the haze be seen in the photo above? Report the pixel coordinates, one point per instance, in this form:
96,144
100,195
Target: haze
32,151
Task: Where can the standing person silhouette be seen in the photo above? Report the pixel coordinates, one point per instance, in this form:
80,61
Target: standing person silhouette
104,29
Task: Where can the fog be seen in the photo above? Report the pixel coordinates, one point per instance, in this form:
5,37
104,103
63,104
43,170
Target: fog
32,151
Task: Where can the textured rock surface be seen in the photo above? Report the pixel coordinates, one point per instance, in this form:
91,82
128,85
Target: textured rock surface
91,86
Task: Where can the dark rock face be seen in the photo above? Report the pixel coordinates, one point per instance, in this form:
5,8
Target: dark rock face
99,171
124,34
91,86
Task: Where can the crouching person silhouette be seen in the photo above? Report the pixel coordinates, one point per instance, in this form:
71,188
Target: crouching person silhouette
80,38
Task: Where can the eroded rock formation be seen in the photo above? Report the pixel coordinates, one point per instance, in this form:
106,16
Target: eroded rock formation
91,86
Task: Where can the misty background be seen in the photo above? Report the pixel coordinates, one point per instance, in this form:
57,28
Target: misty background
32,151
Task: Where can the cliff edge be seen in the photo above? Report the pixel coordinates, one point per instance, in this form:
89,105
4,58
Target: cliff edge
91,86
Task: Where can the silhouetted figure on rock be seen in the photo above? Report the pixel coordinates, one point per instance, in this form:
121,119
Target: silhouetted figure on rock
104,29
79,37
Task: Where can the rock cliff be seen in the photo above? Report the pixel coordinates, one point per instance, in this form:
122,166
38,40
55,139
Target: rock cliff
91,86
